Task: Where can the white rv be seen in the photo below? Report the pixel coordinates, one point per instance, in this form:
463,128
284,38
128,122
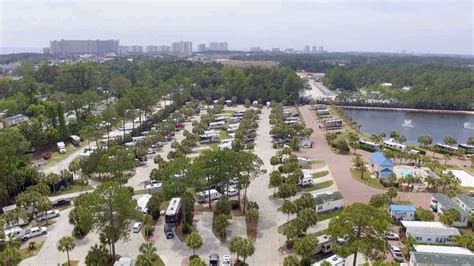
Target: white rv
216,125
203,196
61,147
306,181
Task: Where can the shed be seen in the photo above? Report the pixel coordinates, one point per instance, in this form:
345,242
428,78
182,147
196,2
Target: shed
381,165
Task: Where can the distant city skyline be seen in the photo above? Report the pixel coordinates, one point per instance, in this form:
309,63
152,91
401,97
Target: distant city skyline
389,26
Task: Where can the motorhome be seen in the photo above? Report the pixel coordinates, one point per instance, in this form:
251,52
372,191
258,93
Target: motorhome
174,212
209,138
304,162
61,147
446,148
152,188
220,119
216,125
331,123
142,203
323,112
306,181
467,147
324,245
392,144
203,196
368,144
75,140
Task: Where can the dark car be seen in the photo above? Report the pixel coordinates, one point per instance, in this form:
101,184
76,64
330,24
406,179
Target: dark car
61,202
169,233
213,259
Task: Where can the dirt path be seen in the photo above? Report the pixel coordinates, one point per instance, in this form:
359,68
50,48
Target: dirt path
352,190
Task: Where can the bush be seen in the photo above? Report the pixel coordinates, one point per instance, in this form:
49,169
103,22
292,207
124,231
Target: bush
130,189
149,230
253,204
305,261
32,245
250,146
187,228
223,206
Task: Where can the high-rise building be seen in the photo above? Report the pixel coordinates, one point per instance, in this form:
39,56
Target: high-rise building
218,46
289,50
151,49
321,49
164,49
314,49
276,50
201,47
255,49
78,47
135,49
46,50
182,47
306,49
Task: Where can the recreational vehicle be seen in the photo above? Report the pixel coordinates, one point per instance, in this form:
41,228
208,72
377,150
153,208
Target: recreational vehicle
203,196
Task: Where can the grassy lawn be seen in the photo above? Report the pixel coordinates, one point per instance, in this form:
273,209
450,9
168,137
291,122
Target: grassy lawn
73,263
466,231
317,186
466,189
57,157
329,215
140,192
223,134
214,147
159,262
318,162
367,179
27,253
74,189
320,174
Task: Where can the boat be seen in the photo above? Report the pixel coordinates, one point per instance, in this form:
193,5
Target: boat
407,123
468,125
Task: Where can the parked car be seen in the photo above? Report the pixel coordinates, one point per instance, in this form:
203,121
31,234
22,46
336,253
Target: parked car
213,259
169,232
34,232
41,217
396,253
61,202
391,236
232,192
136,227
226,260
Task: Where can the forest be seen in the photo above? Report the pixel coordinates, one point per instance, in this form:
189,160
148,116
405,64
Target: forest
435,82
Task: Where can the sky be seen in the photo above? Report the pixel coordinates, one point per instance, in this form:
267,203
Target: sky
421,26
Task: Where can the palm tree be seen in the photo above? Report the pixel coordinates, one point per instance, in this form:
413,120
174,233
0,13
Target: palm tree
362,168
446,157
148,255
357,162
450,140
10,255
66,244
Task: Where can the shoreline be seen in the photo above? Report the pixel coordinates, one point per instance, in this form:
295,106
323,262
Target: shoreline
414,110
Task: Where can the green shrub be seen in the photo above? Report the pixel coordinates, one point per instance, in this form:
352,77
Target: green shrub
223,206
187,228
149,230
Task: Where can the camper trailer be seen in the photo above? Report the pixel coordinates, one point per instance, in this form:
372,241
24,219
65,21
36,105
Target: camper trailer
306,181
304,162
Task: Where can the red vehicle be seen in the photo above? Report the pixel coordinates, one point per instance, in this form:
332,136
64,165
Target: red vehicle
170,134
179,126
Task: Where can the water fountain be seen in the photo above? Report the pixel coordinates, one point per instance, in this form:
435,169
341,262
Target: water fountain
407,123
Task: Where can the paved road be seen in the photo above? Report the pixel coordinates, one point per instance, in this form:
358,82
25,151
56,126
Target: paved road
340,165
267,242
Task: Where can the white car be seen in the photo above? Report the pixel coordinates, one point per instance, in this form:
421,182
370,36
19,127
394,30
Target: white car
226,260
396,253
41,217
391,236
232,192
34,232
136,227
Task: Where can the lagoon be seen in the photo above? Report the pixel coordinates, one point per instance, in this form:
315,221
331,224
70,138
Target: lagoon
414,124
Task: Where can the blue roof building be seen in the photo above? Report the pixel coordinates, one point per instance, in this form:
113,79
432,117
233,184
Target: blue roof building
381,165
402,212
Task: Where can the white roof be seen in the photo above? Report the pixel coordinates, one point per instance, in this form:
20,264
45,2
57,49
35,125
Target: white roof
423,224
143,201
467,180
442,249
